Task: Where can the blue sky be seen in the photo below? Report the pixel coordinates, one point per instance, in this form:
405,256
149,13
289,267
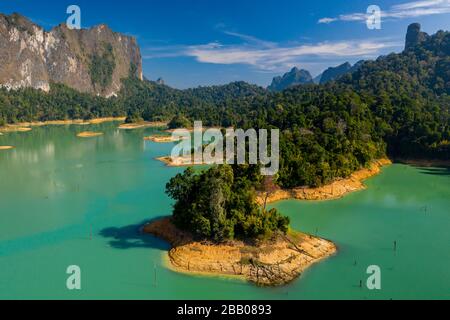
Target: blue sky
203,42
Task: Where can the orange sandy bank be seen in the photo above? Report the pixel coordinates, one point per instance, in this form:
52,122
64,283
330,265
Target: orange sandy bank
182,161
140,125
177,161
6,147
191,130
89,134
334,190
14,128
270,263
163,139
24,126
102,120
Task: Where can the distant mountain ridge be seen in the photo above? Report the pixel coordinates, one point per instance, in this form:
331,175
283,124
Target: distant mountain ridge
292,78
91,60
300,76
335,72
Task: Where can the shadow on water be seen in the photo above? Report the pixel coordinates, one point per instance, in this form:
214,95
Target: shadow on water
132,236
440,171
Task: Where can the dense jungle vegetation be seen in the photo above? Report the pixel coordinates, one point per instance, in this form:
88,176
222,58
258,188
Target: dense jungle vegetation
396,105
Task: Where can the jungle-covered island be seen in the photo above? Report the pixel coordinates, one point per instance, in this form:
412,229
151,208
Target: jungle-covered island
220,224
217,227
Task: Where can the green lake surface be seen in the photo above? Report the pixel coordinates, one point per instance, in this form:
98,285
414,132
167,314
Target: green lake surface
71,201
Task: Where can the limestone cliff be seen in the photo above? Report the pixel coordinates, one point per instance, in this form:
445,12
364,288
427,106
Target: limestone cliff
414,36
292,78
89,60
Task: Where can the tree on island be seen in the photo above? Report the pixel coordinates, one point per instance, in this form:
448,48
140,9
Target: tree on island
133,117
179,121
268,186
219,204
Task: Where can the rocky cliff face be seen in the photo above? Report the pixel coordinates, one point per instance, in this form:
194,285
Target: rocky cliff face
414,36
333,73
89,60
292,78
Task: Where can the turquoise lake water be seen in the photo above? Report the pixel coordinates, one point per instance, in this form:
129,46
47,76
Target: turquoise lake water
70,201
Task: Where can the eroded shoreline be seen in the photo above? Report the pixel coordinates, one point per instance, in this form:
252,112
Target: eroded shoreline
163,139
89,134
334,190
141,125
14,128
271,263
179,161
27,126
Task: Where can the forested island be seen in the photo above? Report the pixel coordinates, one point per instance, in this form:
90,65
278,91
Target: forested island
217,227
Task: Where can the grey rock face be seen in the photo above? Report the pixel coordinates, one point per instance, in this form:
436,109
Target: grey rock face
414,36
33,57
294,77
333,73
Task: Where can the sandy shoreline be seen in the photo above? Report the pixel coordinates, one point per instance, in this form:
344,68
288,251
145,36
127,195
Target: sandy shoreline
163,139
140,125
192,130
6,147
89,134
14,128
271,263
102,120
27,126
182,161
178,161
334,190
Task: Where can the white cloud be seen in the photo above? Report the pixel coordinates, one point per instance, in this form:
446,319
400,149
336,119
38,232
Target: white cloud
327,20
400,11
273,57
250,39
419,4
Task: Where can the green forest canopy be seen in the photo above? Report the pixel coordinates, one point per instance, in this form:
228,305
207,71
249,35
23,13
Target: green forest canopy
397,105
219,204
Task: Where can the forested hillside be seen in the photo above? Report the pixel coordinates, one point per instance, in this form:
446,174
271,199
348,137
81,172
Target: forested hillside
397,105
